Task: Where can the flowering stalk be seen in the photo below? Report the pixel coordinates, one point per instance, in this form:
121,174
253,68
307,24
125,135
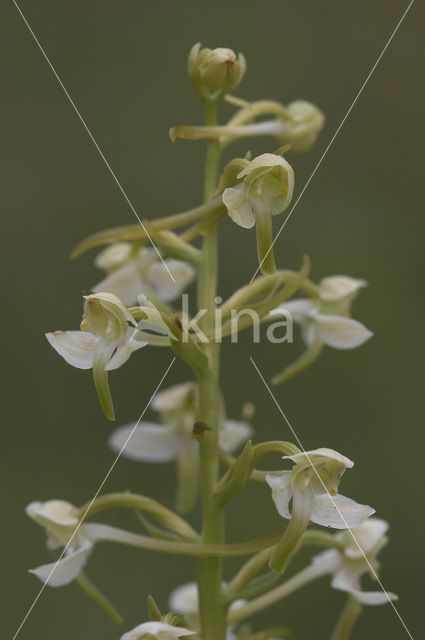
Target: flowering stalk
210,578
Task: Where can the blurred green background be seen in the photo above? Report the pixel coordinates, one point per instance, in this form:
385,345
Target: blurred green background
124,66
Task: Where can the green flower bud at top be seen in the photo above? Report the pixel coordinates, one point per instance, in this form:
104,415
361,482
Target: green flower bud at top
306,123
265,191
220,69
215,69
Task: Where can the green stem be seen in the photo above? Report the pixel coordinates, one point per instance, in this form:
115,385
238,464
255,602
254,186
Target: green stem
210,574
348,619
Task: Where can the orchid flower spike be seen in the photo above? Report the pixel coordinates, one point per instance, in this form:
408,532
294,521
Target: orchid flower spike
312,485
131,273
325,320
265,190
158,630
173,439
108,337
358,556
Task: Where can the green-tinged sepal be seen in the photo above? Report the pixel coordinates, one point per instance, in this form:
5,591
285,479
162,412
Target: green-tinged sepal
154,611
235,479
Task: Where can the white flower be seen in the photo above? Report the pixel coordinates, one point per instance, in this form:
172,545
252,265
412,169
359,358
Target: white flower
359,556
265,191
185,600
152,442
60,520
105,343
312,485
159,630
130,275
325,319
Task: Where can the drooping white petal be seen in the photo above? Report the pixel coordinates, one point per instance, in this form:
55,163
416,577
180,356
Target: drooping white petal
238,206
311,456
338,511
233,434
162,283
282,491
125,282
149,442
173,397
340,332
367,535
336,287
62,572
299,308
159,630
373,597
125,349
76,347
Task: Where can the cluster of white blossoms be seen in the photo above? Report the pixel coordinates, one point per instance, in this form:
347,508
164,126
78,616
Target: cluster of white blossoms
131,308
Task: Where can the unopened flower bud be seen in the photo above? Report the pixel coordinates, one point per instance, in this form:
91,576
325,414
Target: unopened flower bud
215,69
307,122
220,69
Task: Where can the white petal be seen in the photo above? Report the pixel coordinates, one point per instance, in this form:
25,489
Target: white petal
57,574
310,456
233,434
299,308
125,283
339,332
160,630
173,397
336,287
367,535
339,512
75,347
184,599
162,283
373,597
238,206
149,442
125,349
281,487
